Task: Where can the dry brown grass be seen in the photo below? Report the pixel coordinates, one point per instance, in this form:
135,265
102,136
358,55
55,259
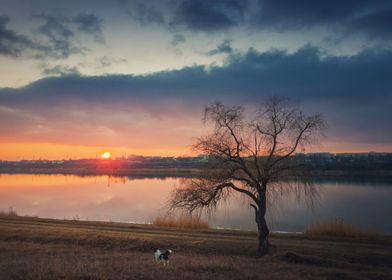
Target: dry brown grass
10,213
45,249
340,228
181,221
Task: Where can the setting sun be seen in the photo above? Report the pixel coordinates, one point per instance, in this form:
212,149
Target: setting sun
106,155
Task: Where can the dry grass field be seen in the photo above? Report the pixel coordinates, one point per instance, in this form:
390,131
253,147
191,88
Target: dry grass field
32,248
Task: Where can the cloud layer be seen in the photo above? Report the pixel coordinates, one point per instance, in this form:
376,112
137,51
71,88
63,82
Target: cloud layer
371,18
331,56
354,93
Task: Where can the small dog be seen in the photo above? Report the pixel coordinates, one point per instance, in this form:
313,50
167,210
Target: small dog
162,257
157,253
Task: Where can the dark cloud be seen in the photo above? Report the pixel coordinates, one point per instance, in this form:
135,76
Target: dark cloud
375,24
60,38
12,43
90,24
59,43
54,28
373,18
370,18
145,12
177,39
107,61
222,48
305,73
353,92
286,14
193,15
209,16
59,70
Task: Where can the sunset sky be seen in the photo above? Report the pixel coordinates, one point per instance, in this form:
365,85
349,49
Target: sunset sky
130,76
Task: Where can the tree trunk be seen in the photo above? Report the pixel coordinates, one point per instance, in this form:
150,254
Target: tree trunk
262,227
263,233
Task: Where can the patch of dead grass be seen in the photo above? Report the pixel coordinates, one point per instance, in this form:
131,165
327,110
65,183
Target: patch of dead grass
11,213
181,221
339,228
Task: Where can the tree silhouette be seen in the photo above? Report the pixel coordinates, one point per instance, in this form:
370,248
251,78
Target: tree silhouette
250,155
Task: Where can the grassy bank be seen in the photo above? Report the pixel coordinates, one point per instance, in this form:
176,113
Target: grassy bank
32,248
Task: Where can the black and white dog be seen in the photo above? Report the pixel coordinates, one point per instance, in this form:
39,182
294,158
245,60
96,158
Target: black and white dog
162,257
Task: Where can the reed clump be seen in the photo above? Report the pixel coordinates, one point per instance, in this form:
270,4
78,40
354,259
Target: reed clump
181,221
9,213
339,228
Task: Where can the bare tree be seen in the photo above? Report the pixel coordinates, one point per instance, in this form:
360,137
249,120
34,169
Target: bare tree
248,155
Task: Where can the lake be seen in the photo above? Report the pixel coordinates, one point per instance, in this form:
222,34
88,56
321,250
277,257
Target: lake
365,202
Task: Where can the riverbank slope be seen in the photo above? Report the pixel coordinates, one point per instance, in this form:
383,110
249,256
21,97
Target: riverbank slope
33,248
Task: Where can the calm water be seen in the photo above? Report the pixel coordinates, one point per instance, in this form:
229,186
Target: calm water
363,202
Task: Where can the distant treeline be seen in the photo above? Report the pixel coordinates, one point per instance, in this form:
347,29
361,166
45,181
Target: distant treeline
323,163
348,162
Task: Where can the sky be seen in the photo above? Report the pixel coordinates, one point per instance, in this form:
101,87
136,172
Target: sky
132,77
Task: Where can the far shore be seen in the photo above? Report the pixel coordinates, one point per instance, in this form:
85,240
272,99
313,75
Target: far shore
173,172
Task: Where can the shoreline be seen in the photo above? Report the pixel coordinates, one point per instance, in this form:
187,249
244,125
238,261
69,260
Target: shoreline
174,172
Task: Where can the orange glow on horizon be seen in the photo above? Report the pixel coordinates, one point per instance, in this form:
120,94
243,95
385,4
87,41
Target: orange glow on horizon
50,151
